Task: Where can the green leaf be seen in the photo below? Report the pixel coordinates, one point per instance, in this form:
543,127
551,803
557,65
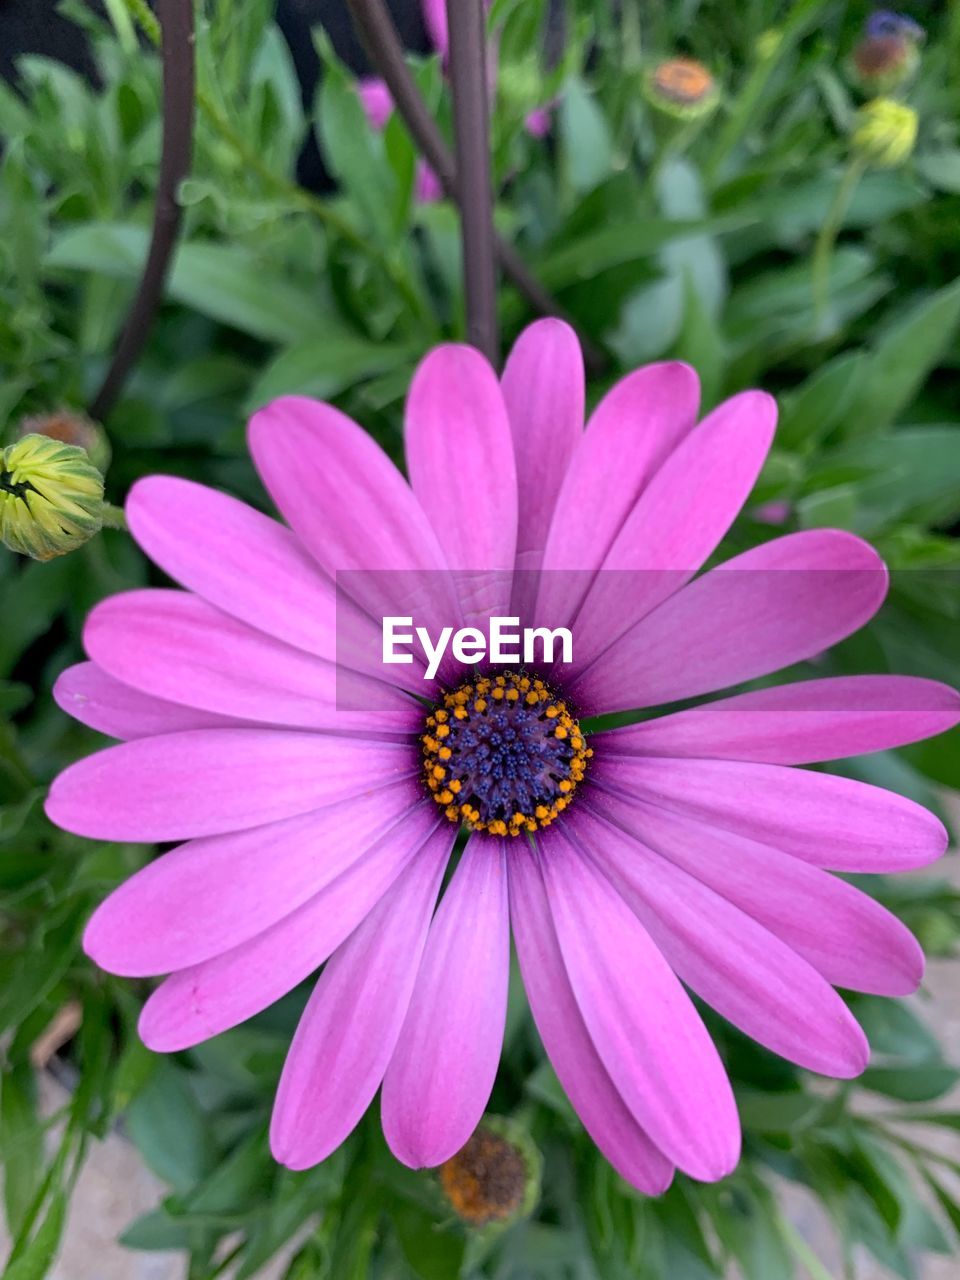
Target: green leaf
21,1143
354,152
777,1112
894,1030
431,1253
701,344
747,1225
941,169
587,147
821,404
613,246
920,1083
326,365
168,1127
945,1199
903,471
40,966
156,1231
903,358
38,1257
226,282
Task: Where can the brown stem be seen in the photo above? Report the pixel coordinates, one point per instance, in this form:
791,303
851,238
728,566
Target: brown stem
176,24
471,122
376,30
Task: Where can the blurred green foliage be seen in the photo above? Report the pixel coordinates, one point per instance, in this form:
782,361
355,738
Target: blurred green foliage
696,246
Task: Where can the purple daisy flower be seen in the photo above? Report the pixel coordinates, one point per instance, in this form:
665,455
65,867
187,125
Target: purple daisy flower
319,792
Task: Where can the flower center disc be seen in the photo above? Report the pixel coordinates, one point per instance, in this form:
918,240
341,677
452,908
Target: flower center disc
503,754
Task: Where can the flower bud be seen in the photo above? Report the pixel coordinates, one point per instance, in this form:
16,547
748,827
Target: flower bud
885,132
51,497
495,1178
769,43
880,64
70,426
682,89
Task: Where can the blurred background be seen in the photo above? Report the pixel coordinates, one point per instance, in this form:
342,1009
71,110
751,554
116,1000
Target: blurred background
770,191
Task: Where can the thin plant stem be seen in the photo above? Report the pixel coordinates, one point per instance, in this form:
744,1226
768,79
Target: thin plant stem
801,1251
113,517
377,32
471,119
827,239
175,20
252,162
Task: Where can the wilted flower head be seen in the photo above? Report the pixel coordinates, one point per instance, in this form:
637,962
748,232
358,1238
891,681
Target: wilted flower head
51,497
682,88
70,426
881,63
888,55
885,132
883,22
495,1178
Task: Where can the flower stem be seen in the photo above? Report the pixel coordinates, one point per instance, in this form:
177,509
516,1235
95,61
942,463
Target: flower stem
175,23
377,32
252,162
827,239
113,517
471,119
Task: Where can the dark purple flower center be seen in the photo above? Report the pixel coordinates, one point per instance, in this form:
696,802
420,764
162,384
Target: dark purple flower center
503,754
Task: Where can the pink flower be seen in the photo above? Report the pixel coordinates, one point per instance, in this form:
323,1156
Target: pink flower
377,102
538,122
775,512
319,802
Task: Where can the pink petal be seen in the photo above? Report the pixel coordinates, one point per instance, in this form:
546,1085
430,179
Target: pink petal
353,511
102,703
733,963
340,492
800,723
678,521
241,561
350,1026
566,1039
435,20
376,100
176,646
828,821
543,386
427,187
630,433
777,604
202,783
537,122
646,1031
460,462
442,1071
213,894
209,998
844,933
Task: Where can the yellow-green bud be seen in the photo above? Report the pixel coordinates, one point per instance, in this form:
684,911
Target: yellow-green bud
495,1179
51,497
885,132
682,89
768,43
